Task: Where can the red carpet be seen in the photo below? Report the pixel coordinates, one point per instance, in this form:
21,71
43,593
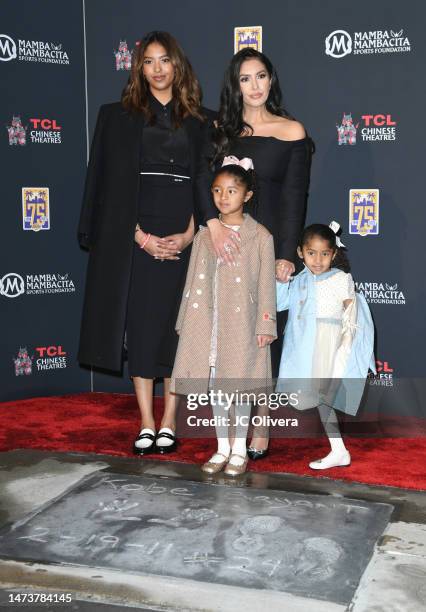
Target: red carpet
107,424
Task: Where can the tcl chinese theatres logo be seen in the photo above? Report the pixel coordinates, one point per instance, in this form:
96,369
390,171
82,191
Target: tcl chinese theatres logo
41,131
384,375
371,128
46,358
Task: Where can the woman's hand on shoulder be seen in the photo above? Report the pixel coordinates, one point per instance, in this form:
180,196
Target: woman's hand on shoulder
226,242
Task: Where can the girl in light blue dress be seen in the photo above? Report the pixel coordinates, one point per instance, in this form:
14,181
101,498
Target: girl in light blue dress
329,336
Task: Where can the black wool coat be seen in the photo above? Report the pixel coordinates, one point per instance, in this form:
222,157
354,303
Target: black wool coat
107,225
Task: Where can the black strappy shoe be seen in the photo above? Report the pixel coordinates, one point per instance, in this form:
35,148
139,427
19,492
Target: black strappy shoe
145,436
255,454
170,448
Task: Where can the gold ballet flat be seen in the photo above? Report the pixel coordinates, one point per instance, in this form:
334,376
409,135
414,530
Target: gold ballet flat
235,470
212,467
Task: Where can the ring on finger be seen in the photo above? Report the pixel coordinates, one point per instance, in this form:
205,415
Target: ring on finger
227,247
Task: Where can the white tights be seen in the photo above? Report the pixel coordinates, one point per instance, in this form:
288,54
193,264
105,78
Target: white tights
232,438
330,423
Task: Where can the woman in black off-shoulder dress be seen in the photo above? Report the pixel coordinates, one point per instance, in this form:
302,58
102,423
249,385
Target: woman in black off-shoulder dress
252,123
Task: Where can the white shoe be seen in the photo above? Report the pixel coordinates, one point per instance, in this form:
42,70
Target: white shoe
333,459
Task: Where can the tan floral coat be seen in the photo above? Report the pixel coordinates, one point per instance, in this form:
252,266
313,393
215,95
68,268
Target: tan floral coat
246,304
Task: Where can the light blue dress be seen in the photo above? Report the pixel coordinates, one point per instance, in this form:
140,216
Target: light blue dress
299,296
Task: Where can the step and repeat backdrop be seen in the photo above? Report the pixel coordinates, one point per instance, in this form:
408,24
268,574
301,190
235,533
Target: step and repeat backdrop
352,74
43,159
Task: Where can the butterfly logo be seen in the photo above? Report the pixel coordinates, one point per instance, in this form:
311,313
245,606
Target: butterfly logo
392,287
396,34
63,278
56,47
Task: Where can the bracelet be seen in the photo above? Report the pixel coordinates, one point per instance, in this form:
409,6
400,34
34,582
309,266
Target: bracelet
145,242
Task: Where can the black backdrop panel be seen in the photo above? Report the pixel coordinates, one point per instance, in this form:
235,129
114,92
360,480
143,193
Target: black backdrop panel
44,87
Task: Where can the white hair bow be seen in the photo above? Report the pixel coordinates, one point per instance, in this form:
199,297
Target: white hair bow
245,163
334,226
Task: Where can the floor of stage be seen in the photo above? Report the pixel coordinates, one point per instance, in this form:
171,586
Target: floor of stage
115,532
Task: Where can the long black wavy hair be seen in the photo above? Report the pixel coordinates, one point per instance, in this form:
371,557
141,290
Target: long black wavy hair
326,233
230,122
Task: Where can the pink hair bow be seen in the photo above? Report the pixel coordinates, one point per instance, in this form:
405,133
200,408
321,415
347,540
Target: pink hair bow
245,163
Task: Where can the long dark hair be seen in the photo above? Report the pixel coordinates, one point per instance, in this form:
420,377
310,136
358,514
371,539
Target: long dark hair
186,88
326,233
230,122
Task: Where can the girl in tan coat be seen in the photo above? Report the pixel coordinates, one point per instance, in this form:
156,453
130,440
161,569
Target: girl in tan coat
227,317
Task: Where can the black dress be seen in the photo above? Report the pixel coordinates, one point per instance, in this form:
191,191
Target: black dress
282,178
165,207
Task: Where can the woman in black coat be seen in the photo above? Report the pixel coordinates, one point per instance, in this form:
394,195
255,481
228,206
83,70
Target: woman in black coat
137,220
